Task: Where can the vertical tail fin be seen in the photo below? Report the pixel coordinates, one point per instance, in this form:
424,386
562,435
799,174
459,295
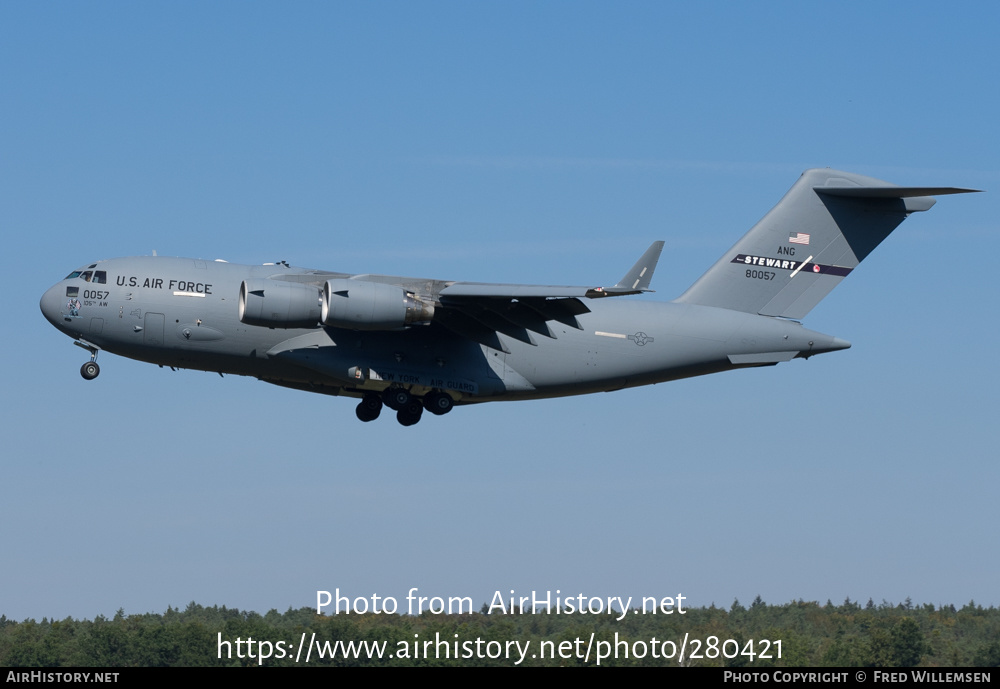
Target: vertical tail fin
825,225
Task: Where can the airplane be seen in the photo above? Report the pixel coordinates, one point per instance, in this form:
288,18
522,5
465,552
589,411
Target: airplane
414,344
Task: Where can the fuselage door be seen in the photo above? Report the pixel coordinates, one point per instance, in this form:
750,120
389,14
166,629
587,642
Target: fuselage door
152,332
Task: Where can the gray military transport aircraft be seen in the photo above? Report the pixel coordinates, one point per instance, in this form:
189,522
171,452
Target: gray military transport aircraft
413,344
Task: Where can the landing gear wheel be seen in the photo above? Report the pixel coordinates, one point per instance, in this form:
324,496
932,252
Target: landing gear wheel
410,414
396,398
90,370
438,403
365,414
369,408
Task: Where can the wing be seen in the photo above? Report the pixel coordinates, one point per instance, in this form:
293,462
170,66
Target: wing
479,310
292,298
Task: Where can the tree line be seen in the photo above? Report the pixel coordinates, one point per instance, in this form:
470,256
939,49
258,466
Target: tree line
811,635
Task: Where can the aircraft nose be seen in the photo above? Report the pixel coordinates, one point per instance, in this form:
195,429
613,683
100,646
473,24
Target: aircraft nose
50,303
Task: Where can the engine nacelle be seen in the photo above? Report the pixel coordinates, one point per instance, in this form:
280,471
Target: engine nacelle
364,305
279,304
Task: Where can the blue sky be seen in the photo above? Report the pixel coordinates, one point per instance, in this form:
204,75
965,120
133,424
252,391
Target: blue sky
514,142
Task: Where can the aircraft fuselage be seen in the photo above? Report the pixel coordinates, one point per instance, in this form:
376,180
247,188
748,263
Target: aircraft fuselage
184,313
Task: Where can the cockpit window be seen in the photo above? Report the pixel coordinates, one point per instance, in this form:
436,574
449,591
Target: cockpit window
100,277
87,274
74,274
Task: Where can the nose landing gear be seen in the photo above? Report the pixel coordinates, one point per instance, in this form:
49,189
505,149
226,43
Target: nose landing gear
89,370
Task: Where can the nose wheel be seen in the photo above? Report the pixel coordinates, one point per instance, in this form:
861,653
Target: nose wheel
90,370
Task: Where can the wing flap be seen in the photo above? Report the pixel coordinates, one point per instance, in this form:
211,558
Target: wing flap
483,290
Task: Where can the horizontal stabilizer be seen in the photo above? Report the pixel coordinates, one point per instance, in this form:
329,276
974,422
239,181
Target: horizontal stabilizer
892,192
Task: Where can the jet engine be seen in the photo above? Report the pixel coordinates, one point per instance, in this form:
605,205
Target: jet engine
365,305
279,304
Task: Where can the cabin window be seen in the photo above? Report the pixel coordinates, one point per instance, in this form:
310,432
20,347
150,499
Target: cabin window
73,292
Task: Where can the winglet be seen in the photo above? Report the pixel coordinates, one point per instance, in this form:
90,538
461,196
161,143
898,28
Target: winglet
637,279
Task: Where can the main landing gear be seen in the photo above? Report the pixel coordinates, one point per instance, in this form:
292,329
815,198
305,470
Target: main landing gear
408,407
369,407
